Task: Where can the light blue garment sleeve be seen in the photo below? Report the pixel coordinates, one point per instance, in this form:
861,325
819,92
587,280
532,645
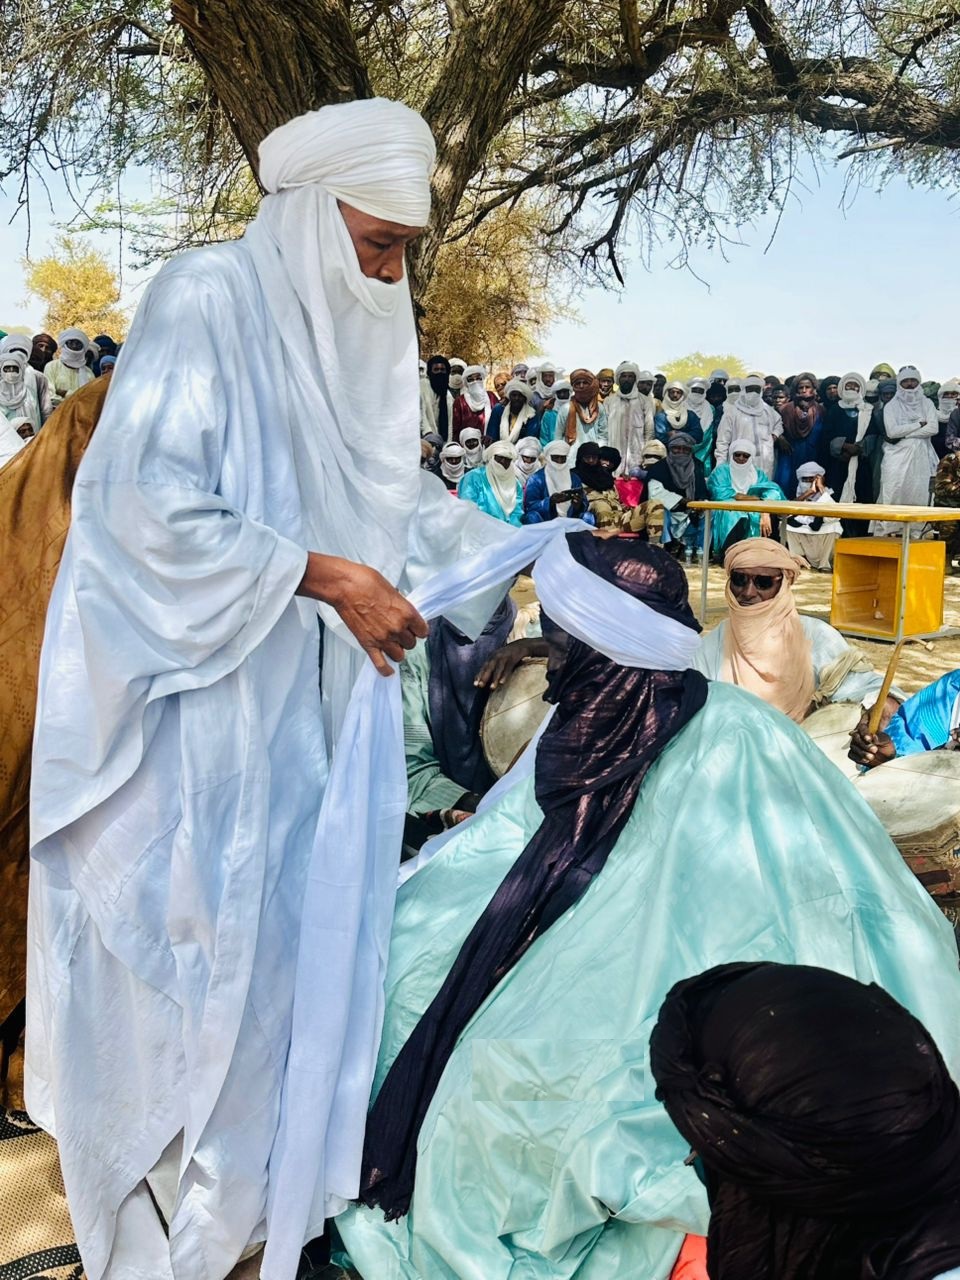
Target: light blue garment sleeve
924,721
428,787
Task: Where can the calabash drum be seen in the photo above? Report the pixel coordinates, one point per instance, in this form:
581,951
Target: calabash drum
917,798
830,728
513,714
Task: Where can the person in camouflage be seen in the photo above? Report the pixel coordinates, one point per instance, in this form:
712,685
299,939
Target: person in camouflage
946,493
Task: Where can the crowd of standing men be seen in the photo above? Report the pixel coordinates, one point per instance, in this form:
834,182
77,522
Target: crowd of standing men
628,449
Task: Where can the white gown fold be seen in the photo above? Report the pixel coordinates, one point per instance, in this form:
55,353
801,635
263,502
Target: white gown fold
178,772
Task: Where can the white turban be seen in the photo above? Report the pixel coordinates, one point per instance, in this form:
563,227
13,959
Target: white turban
16,342
523,387
73,359
809,470
475,393
373,154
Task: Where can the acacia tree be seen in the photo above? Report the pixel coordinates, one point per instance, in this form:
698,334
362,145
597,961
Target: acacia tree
603,119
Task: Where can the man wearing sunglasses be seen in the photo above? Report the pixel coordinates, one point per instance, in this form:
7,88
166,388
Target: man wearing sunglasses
793,662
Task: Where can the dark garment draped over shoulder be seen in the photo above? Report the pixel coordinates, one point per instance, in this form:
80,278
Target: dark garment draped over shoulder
610,725
826,1121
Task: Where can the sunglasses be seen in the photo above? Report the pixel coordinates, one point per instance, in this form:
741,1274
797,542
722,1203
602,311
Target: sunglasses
762,581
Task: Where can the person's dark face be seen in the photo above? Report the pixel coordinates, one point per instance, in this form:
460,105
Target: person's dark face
517,400
583,390
548,378
658,386
741,458
779,399
589,455
558,459
44,349
886,395
645,387
438,368
25,431
606,463
756,586
380,245
768,395
832,391
499,382
627,382
674,395
805,390
910,384
73,344
503,460
680,450
605,384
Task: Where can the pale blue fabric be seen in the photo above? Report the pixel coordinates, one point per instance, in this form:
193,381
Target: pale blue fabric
924,721
476,488
722,490
544,1154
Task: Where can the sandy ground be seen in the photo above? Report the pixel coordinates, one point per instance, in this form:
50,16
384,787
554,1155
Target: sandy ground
920,661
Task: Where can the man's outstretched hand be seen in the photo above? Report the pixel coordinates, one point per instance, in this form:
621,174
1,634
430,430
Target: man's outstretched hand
381,620
870,749
497,670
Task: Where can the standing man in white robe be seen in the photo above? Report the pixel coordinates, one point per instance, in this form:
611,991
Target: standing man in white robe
630,418
748,418
230,516
909,459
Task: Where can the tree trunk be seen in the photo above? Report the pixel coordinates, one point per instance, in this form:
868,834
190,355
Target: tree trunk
270,60
487,56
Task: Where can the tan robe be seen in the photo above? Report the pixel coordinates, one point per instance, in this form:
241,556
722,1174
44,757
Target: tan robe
35,489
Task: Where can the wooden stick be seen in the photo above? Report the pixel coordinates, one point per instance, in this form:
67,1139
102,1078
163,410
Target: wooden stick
876,713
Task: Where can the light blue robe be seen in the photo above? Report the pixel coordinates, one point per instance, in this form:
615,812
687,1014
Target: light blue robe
476,488
544,1154
722,490
925,721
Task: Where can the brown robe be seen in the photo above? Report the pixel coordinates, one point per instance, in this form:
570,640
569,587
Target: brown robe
35,490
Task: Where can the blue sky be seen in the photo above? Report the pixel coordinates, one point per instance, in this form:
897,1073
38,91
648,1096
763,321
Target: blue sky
840,288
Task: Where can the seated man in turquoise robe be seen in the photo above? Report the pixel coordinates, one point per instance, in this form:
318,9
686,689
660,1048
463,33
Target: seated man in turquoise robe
928,721
739,480
661,824
494,487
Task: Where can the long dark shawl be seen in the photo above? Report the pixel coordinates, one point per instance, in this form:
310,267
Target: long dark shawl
456,705
440,385
610,725
826,1120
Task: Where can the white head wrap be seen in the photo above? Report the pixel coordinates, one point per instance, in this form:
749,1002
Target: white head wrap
452,464
472,441
734,388
809,470
475,393
697,391
456,379
627,366
852,399
341,330
949,390
13,394
11,442
524,388
423,368
751,398
743,474
528,459
719,375
644,375
562,385
373,154
73,359
540,386
911,400
503,480
616,624
675,410
16,342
